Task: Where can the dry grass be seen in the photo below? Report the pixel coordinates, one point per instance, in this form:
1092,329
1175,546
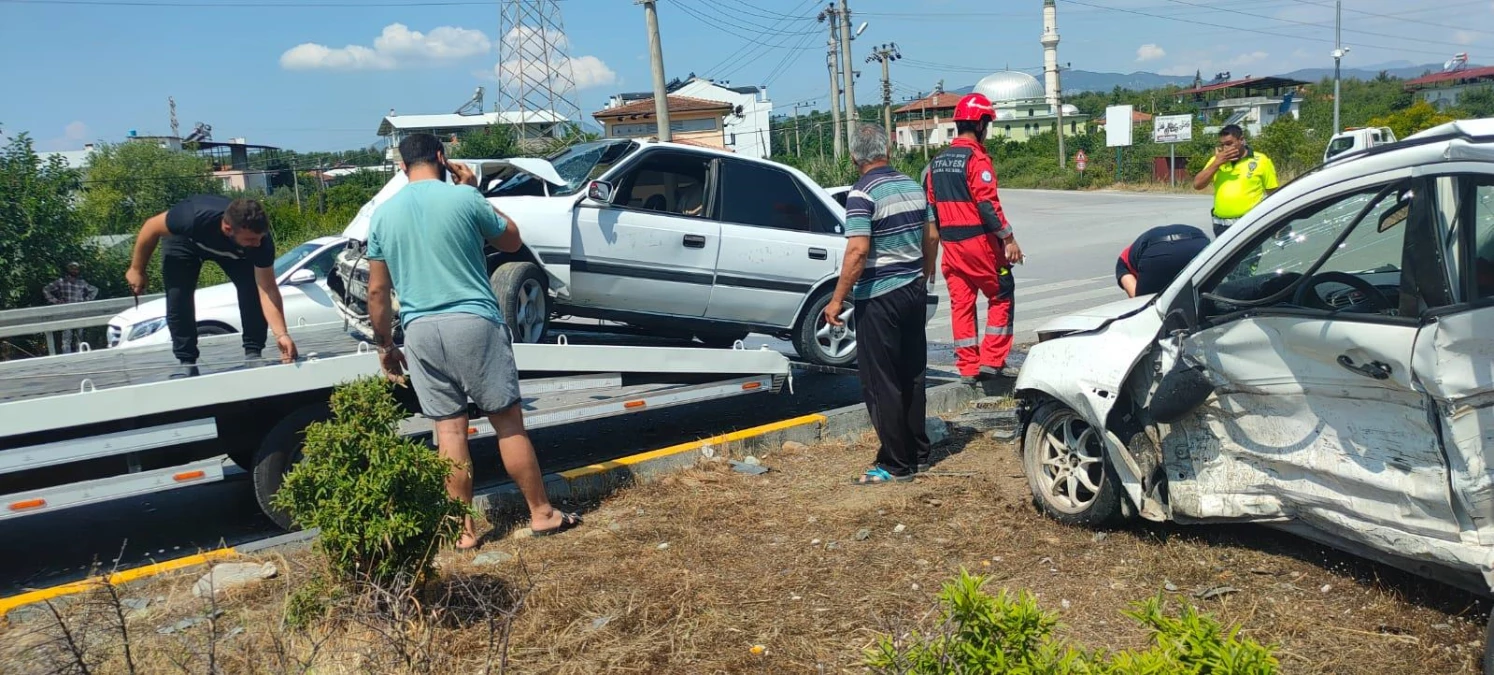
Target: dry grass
777,560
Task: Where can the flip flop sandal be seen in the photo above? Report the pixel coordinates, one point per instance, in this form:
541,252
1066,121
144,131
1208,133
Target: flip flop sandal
568,521
878,476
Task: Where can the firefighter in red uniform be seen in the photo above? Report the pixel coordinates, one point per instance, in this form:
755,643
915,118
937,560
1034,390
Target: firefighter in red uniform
979,248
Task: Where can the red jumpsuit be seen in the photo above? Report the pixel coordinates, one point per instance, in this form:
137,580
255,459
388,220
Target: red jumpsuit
961,188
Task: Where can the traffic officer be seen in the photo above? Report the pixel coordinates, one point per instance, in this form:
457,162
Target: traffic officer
1240,175
1157,257
978,244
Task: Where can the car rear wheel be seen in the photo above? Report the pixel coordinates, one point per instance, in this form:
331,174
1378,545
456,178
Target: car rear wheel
520,288
1066,466
819,342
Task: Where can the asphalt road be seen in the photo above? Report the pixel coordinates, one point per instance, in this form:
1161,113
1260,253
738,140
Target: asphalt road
1071,240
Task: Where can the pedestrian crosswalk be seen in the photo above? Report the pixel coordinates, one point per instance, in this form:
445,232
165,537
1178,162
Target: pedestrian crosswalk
1037,303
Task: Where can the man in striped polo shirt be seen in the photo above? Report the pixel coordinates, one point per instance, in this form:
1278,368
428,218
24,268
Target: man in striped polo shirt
890,252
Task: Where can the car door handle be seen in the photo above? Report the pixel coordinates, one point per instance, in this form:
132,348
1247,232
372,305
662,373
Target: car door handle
1375,369
818,254
694,241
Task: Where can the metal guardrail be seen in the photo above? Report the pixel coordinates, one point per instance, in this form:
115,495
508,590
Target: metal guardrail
50,318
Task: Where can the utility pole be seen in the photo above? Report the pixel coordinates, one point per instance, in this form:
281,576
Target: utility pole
833,64
886,54
852,114
798,146
1338,54
1058,107
656,54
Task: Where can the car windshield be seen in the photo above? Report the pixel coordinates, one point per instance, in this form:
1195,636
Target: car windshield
1339,145
290,258
576,165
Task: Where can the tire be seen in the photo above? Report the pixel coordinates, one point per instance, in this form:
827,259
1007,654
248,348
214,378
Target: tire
721,340
820,343
1095,498
278,452
523,299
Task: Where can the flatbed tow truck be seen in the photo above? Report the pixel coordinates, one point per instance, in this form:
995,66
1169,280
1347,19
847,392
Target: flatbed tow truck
90,427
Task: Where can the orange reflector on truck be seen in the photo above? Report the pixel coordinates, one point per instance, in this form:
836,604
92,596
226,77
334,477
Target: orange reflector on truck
634,404
188,475
749,386
471,430
28,504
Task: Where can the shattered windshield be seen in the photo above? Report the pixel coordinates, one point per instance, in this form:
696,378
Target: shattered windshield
577,165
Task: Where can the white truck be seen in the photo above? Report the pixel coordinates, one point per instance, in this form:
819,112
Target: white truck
1355,139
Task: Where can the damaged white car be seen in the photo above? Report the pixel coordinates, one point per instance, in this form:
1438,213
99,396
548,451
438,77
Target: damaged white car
1325,367
679,240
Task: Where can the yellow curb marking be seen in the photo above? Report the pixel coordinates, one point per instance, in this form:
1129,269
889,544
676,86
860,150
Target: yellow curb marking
691,446
10,603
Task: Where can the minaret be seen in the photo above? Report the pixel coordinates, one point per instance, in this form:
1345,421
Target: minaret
1050,51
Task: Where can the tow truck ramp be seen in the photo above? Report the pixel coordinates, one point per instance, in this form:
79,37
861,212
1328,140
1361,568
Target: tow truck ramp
88,428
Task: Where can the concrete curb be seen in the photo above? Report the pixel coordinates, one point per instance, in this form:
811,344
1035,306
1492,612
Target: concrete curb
584,484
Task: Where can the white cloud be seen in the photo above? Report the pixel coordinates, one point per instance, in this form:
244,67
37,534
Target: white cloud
74,135
1149,52
1207,67
530,64
396,47
1247,59
1464,37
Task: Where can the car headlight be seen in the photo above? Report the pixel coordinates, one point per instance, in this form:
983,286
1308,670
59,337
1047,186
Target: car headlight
145,328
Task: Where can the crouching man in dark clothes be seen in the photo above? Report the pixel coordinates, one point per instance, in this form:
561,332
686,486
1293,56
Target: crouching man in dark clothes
234,234
1151,262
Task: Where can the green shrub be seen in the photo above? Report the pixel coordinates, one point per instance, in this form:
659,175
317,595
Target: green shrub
980,633
379,499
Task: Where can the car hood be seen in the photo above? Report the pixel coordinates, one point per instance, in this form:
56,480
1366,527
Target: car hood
1095,317
542,169
205,298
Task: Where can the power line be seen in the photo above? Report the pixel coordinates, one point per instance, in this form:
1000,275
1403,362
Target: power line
1299,23
1401,16
715,19
255,5
756,51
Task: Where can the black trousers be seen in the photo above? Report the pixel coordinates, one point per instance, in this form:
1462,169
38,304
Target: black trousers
892,355
181,264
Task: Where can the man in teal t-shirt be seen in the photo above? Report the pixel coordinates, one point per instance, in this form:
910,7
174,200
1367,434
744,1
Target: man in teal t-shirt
426,244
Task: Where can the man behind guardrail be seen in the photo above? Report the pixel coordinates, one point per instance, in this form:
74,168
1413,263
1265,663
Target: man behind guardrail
69,288
426,244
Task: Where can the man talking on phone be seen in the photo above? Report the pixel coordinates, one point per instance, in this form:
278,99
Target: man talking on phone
1240,175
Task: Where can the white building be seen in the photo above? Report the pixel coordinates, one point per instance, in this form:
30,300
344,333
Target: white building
746,127
1443,89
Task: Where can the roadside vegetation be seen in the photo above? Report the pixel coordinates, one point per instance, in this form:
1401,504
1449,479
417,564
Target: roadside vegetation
795,570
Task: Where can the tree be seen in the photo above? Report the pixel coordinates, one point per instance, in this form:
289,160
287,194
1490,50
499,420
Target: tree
129,182
1419,116
1477,102
495,141
39,231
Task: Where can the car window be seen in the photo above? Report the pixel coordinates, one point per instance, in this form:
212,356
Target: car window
666,182
753,194
1369,257
1470,202
289,259
323,262
1339,145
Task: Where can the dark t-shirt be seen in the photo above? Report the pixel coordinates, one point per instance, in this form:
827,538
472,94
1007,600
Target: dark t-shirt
1159,255
199,220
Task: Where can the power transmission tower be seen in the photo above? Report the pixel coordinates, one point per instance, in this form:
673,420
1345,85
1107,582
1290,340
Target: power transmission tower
886,54
539,82
832,62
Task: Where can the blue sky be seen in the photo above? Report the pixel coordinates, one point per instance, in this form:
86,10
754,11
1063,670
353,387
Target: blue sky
320,74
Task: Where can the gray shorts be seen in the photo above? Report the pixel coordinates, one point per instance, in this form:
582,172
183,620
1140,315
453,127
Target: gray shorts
453,357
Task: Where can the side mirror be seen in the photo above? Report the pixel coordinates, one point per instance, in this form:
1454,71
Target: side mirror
600,191
301,276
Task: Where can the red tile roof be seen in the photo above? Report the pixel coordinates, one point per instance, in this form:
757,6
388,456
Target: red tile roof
935,102
1453,77
1137,117
677,104
1246,83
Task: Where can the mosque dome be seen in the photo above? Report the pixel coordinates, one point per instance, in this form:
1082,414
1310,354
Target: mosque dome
1070,109
1009,86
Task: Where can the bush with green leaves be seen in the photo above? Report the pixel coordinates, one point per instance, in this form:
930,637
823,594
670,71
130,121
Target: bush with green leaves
378,498
1006,633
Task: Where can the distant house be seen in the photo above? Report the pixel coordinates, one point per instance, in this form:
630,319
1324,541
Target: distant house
75,159
1444,89
236,163
746,128
1251,102
1022,111
542,124
690,119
